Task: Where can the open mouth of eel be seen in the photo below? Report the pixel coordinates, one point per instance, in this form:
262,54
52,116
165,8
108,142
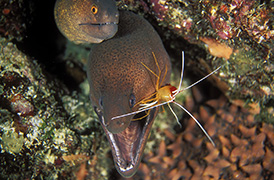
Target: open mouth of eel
128,146
98,24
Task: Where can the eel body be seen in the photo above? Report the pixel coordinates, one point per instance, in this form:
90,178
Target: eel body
86,21
117,76
118,80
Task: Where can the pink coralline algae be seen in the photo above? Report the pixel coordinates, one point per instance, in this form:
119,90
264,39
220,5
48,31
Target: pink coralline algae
228,19
21,106
220,24
257,25
225,20
159,8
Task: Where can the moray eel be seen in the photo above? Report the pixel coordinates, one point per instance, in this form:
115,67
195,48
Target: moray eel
86,21
118,80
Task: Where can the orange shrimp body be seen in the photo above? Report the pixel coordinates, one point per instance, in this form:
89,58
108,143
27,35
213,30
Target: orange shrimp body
166,93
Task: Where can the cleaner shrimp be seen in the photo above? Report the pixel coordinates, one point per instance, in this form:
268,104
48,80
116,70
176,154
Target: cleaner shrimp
166,95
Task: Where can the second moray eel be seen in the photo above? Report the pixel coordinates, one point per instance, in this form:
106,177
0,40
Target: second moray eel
118,80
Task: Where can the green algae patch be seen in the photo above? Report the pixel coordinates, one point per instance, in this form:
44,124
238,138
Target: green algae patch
244,62
12,142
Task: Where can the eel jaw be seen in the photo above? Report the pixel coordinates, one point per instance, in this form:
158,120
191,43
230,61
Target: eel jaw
128,146
98,31
98,24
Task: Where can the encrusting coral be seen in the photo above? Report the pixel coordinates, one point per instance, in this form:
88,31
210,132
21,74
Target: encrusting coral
41,126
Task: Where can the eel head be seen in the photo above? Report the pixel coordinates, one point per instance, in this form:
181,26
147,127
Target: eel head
126,136
86,21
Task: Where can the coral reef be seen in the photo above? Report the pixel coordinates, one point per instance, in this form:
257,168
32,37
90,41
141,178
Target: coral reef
242,31
42,127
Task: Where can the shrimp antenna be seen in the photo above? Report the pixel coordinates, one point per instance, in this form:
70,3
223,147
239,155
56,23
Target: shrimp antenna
142,110
177,91
197,122
190,86
182,71
176,117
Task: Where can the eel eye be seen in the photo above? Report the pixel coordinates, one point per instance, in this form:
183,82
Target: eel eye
94,9
132,100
